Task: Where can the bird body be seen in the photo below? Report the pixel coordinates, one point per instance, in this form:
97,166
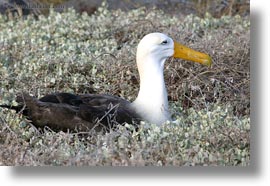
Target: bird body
64,111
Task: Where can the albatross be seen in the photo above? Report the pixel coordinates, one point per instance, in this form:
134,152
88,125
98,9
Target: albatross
66,111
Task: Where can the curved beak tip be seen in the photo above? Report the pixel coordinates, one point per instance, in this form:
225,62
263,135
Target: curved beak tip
208,61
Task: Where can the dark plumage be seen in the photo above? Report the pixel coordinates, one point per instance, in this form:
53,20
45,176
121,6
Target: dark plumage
63,111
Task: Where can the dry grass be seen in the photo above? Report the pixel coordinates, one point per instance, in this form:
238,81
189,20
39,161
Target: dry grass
217,8
85,54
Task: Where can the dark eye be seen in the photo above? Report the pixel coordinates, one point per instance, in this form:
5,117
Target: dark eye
164,42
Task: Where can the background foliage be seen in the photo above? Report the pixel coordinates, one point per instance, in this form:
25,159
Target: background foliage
83,53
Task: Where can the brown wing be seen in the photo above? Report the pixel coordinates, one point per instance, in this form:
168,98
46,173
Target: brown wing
63,111
108,109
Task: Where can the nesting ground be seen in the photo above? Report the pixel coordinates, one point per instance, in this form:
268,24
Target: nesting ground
79,53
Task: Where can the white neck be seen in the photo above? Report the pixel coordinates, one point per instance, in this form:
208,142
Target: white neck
152,101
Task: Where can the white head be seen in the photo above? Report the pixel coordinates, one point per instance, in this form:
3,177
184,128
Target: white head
159,46
155,45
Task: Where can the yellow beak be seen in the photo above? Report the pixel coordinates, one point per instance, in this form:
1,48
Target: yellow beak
183,52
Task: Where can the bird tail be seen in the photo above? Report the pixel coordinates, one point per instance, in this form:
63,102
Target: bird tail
22,101
16,108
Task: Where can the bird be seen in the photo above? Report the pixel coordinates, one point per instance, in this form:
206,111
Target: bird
86,112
